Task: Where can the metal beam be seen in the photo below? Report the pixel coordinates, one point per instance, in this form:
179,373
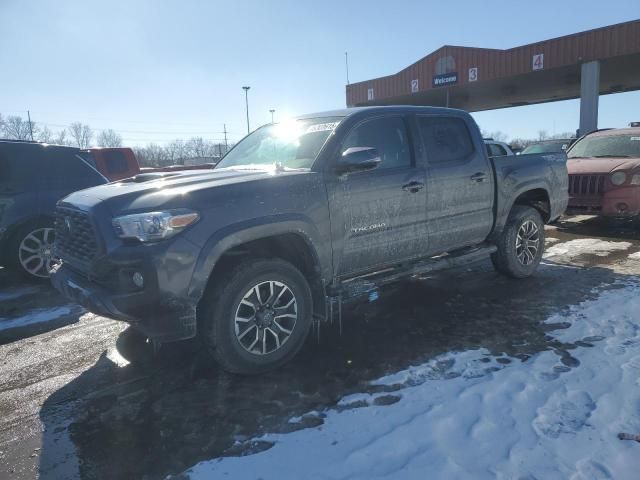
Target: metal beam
589,95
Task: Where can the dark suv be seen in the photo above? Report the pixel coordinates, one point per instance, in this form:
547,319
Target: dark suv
33,177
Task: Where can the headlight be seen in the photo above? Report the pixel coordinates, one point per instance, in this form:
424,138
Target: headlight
618,178
153,226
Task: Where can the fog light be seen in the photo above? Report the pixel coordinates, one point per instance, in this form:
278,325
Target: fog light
138,279
622,207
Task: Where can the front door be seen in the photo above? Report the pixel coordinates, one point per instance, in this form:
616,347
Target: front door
378,216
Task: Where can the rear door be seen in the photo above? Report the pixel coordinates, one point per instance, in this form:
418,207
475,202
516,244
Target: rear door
460,183
378,216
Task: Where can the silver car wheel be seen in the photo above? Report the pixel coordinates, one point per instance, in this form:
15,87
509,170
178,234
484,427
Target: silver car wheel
265,317
527,242
35,252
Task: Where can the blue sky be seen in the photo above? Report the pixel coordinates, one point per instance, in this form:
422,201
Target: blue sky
155,71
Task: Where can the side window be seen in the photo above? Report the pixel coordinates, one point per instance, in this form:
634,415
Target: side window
497,150
388,135
71,173
446,139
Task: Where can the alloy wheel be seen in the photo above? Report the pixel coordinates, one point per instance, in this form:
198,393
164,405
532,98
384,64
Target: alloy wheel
527,242
35,252
265,317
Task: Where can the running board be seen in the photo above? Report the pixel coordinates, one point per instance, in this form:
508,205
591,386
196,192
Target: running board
366,284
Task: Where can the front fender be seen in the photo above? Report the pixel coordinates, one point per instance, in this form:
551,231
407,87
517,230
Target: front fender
255,229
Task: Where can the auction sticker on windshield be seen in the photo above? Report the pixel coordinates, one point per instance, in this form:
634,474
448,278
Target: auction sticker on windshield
322,127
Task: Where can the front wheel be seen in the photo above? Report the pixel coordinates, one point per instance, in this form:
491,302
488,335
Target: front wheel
521,245
258,317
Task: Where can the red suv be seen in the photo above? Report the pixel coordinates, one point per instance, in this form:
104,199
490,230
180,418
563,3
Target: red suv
604,173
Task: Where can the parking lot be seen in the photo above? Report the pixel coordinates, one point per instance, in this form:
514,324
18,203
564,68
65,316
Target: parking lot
73,383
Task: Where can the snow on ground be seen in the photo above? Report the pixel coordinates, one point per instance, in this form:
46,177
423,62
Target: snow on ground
465,415
635,256
39,315
551,240
582,246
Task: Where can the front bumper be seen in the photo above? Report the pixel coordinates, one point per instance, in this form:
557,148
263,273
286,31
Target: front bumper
619,202
160,314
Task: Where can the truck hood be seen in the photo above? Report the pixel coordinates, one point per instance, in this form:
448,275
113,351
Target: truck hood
577,166
164,189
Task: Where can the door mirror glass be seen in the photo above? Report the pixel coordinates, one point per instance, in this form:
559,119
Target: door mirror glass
358,159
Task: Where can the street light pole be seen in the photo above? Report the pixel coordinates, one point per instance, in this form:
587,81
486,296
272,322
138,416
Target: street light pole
246,101
272,112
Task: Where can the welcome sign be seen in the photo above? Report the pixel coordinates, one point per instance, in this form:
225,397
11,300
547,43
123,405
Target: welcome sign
445,79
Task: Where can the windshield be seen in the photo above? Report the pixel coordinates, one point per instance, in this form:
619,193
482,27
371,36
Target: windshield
607,146
547,147
294,144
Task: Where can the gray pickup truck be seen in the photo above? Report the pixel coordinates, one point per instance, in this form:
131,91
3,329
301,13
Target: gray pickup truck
297,218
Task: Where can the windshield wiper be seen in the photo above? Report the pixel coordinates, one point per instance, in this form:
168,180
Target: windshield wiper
612,156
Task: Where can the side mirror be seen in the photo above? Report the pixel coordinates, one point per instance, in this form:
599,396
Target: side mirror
358,159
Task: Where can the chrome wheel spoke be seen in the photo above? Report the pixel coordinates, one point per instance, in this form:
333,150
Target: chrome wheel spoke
282,329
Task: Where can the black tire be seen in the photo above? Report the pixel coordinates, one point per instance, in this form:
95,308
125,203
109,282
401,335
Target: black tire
14,260
508,259
222,302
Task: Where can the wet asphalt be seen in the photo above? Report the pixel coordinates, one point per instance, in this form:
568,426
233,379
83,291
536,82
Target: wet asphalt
84,397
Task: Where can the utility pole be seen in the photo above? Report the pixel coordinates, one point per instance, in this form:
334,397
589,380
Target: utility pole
226,145
272,112
30,127
346,64
246,101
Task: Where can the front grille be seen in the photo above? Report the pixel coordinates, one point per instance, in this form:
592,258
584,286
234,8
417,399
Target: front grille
584,185
75,236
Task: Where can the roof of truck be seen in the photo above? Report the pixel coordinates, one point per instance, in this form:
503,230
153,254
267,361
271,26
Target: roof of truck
345,112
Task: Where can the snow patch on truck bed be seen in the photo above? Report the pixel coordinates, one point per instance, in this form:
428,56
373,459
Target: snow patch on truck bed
464,415
591,246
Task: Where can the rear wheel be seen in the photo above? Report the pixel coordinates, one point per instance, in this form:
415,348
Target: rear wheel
32,250
521,245
258,317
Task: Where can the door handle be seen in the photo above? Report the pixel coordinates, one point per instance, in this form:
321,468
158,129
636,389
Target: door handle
479,177
413,186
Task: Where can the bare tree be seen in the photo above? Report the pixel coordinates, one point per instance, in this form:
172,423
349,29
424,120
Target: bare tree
1,126
45,135
109,138
543,135
61,138
177,151
16,128
81,134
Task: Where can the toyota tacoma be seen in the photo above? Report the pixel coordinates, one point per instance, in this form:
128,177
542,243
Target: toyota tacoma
297,218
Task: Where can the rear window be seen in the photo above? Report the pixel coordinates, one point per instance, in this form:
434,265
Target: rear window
446,139
70,172
115,162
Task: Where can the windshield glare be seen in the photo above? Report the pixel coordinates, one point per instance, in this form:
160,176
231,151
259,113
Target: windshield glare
607,146
294,144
